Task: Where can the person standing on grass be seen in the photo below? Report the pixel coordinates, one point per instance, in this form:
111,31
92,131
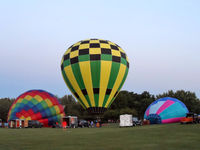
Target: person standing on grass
92,123
89,124
64,124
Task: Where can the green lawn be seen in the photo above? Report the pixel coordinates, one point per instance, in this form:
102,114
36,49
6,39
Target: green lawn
152,137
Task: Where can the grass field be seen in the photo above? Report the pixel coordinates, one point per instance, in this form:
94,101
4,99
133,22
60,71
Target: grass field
152,137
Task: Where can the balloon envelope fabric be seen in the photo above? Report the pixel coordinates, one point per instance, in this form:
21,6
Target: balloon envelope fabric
37,105
165,110
95,70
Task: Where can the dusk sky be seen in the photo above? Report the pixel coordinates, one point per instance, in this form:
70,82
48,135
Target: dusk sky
161,39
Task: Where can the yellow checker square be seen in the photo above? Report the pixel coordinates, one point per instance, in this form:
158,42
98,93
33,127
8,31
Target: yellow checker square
74,54
84,46
94,41
68,51
76,44
120,49
104,45
95,50
116,53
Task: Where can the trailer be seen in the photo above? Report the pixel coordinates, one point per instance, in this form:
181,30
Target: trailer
126,120
70,121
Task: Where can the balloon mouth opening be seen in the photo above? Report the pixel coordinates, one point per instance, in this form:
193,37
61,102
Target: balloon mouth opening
154,119
96,110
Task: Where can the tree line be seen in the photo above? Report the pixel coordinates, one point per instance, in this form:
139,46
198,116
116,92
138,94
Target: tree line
125,103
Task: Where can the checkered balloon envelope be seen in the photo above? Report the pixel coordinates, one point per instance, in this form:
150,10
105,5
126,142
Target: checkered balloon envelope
95,71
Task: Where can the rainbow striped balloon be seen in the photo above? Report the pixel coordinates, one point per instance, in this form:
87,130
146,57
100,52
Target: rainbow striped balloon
37,105
165,110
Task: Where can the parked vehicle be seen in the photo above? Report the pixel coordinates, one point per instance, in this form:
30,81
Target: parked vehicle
34,124
190,118
83,123
136,122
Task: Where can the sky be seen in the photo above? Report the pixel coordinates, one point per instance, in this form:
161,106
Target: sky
161,39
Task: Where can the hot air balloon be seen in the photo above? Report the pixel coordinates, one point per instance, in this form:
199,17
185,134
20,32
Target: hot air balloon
165,110
95,70
37,105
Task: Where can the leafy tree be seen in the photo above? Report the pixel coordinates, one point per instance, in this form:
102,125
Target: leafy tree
128,110
5,104
187,97
132,103
111,115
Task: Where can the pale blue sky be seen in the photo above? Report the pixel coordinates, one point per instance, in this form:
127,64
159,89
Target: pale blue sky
161,39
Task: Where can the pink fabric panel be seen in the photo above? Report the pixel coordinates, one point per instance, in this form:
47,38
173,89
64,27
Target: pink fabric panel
147,113
164,106
172,120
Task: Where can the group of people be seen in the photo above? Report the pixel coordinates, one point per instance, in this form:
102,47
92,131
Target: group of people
81,123
96,123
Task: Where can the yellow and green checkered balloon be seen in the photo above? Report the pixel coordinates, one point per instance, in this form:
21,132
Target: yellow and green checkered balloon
95,70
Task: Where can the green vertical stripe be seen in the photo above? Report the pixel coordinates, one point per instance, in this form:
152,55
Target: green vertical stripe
78,76
95,71
113,75
105,100
123,80
125,75
71,88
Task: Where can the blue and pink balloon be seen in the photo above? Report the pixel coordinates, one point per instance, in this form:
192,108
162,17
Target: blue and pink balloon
165,110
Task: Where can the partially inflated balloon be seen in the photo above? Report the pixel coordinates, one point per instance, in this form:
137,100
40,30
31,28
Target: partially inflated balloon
37,105
165,110
95,70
